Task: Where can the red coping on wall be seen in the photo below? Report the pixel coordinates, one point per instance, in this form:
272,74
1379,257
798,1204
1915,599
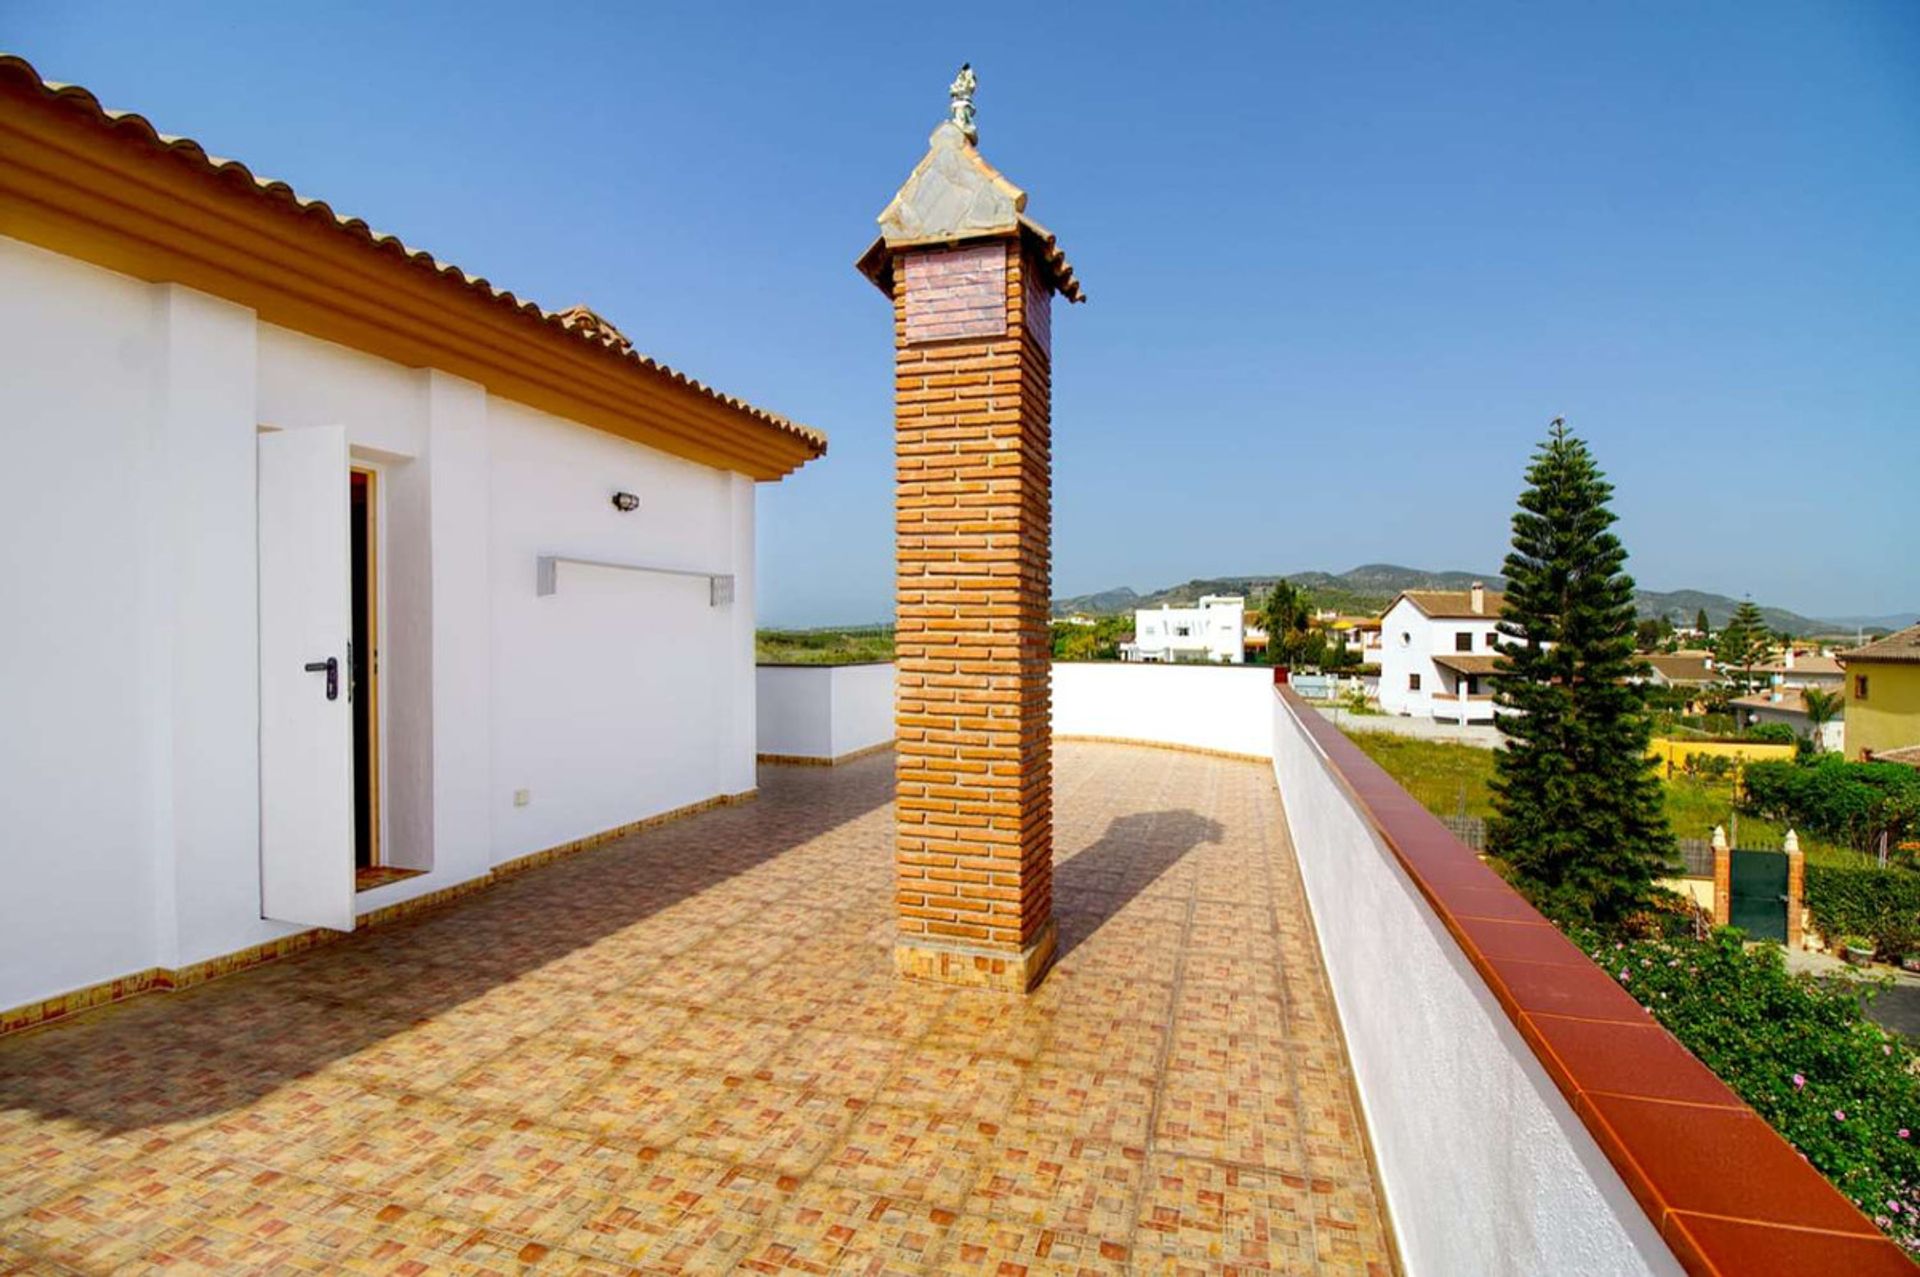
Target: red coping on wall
1728,1194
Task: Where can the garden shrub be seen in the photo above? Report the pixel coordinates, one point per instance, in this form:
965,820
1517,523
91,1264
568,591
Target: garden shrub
1881,905
1841,1089
1842,801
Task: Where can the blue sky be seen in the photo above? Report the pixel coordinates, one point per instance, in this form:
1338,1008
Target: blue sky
1345,261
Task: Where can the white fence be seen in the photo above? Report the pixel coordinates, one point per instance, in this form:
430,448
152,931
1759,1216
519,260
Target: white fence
1220,707
823,712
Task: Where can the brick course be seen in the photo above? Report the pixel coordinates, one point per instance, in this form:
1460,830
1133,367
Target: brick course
973,514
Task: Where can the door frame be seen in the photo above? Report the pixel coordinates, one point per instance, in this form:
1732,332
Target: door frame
376,473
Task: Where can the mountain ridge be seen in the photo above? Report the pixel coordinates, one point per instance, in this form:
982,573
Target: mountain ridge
1371,586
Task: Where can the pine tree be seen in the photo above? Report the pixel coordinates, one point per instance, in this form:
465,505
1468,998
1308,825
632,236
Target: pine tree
1743,644
1700,623
1578,812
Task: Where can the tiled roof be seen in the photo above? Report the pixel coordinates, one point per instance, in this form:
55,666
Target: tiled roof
1791,701
1683,667
1901,645
1464,663
236,177
1802,665
1455,605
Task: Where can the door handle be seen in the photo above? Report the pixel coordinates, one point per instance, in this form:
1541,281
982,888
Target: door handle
331,668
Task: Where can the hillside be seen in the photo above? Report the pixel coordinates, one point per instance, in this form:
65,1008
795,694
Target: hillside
1370,587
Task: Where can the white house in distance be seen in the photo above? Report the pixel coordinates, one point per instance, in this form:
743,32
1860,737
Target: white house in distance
1212,631
337,577
1436,653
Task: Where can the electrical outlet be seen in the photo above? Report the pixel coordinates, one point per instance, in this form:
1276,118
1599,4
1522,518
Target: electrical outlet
521,797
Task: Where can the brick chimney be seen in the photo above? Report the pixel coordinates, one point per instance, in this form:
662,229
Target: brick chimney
1477,597
972,280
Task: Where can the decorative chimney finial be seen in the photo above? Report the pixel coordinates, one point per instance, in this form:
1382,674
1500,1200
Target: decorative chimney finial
961,93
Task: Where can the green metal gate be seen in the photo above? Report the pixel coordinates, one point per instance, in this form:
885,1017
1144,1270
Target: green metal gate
1759,905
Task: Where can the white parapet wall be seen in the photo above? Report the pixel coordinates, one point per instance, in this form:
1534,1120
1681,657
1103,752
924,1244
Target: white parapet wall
823,712
1485,1166
1216,707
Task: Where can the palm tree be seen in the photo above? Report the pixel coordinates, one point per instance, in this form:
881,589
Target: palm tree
1822,708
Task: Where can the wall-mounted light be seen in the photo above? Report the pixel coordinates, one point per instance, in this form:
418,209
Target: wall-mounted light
625,502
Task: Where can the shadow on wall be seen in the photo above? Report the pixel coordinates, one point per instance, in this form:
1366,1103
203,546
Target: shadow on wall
1102,878
166,1059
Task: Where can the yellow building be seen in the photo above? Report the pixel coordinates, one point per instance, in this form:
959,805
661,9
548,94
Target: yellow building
1883,695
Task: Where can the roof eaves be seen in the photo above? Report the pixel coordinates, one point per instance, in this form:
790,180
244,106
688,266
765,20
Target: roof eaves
238,175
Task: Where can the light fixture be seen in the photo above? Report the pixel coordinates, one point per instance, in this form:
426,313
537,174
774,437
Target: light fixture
625,502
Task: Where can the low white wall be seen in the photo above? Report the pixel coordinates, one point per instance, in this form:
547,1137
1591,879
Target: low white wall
823,711
1223,707
1485,1166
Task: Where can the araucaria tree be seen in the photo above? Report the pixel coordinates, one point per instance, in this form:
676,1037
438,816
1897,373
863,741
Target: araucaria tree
1578,812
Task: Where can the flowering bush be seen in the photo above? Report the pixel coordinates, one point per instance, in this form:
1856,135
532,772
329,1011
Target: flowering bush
1841,1089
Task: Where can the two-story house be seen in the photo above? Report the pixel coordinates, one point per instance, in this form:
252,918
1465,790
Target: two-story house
1883,696
1437,651
1212,631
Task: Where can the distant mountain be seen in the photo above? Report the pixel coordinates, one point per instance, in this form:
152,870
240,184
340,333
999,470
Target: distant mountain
1371,586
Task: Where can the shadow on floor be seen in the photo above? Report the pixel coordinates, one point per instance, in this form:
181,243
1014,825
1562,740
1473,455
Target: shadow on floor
1134,853
174,1058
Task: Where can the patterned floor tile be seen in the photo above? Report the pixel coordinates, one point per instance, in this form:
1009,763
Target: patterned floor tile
1004,1248
925,1156
1252,1220
687,1051
1059,1181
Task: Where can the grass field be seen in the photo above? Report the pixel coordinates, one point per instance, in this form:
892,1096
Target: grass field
1450,779
823,647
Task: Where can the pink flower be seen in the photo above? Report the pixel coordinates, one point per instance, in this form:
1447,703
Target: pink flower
1905,1134
1626,976
1799,1081
1839,1115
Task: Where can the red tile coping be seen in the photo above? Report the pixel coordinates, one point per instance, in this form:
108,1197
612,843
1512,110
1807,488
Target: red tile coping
1728,1194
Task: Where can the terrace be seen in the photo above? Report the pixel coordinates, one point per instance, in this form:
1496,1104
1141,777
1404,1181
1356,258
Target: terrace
689,1051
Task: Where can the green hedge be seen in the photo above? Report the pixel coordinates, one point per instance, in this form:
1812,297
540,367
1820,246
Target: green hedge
1841,801
1881,905
1841,1089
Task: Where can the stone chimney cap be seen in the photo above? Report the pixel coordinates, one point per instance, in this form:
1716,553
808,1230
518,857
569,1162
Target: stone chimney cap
952,196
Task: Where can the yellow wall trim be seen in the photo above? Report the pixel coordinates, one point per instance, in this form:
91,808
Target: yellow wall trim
64,1006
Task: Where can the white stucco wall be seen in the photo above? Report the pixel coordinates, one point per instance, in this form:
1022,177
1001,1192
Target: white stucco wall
1221,707
129,663
824,711
1485,1167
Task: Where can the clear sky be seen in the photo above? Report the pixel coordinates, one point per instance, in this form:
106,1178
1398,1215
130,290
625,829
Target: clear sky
1345,261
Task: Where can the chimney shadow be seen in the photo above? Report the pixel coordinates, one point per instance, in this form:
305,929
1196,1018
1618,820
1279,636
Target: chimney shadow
1134,854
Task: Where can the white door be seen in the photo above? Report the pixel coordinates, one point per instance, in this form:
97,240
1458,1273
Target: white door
306,722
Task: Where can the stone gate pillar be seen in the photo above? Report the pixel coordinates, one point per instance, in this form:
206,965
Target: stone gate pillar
972,281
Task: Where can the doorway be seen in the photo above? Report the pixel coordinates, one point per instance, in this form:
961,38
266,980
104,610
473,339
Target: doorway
370,868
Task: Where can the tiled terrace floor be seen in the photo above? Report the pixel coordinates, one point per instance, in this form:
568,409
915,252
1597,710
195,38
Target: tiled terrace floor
689,1052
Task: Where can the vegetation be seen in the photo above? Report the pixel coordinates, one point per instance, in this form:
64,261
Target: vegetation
1842,1090
1099,641
1578,816
1451,779
1851,803
1287,617
1743,644
1881,906
850,646
1822,708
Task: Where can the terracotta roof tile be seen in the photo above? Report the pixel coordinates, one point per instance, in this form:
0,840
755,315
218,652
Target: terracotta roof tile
250,184
1455,605
1901,645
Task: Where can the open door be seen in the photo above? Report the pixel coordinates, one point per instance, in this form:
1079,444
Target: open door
306,719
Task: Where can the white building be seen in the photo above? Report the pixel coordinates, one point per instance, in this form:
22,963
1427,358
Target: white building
318,595
1437,652
1787,704
1213,631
